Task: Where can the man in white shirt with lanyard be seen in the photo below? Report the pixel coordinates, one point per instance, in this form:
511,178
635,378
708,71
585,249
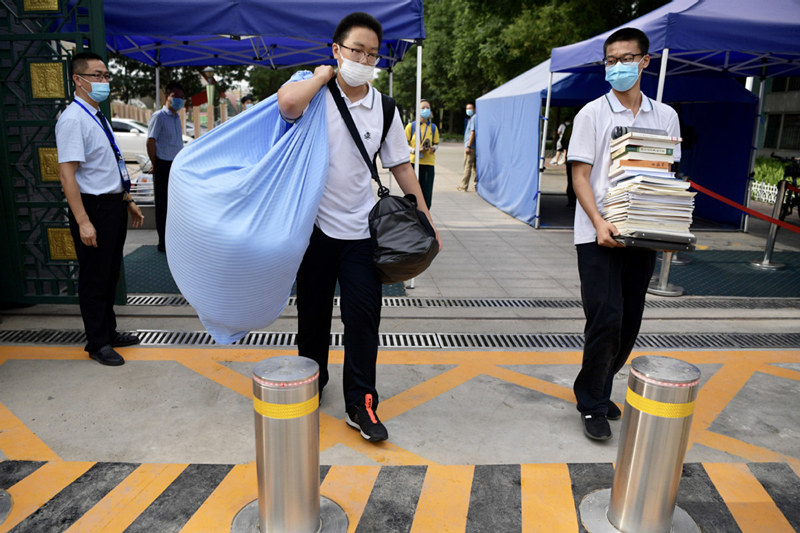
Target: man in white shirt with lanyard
96,184
614,278
340,247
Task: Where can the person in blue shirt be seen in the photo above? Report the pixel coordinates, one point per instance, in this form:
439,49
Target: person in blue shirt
164,141
469,150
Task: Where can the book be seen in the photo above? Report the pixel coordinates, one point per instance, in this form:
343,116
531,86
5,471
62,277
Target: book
637,163
640,150
643,156
626,173
665,141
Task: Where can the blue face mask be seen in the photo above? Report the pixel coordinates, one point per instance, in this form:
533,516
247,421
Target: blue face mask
623,76
470,112
177,103
425,113
100,90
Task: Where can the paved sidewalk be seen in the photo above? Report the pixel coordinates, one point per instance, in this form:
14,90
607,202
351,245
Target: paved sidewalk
481,439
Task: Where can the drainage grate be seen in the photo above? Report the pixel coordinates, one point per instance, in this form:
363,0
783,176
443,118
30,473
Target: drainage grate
521,303
451,341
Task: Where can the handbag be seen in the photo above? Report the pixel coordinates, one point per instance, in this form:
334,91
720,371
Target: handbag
403,238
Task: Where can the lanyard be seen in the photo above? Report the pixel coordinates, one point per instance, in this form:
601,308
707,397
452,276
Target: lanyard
123,170
105,129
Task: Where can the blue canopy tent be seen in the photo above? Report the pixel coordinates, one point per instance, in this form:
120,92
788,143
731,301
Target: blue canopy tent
708,104
729,37
269,33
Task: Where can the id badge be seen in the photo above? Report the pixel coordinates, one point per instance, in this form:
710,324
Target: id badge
123,174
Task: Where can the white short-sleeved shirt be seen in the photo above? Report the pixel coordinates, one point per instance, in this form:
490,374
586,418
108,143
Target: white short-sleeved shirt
165,128
80,138
591,136
348,196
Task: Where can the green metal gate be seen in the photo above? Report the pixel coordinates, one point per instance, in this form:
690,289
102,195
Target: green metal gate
37,40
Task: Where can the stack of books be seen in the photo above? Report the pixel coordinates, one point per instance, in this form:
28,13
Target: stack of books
645,199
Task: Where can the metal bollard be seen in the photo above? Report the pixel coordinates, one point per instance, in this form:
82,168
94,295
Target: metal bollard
286,403
662,286
658,414
766,263
655,432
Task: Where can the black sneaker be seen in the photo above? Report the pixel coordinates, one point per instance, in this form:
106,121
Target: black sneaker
364,418
613,411
596,427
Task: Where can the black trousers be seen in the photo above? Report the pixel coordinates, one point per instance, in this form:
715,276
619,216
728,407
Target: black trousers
571,198
426,175
350,262
99,267
613,287
161,170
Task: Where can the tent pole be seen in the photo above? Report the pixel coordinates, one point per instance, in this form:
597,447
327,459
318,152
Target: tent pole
416,108
662,75
539,170
158,87
753,152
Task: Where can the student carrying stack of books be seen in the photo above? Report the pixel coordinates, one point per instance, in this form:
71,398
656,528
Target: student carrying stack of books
649,206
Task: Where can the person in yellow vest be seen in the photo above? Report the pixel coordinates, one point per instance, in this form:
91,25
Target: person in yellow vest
428,142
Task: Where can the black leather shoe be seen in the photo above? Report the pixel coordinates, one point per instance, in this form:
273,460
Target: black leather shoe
125,339
613,411
107,356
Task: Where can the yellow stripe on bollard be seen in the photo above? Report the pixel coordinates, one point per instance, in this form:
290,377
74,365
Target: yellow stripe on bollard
285,411
664,410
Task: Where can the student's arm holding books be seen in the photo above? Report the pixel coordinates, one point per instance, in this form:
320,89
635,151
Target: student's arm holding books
585,194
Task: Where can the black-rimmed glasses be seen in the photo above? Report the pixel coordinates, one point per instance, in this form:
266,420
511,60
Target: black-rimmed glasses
106,76
625,59
359,55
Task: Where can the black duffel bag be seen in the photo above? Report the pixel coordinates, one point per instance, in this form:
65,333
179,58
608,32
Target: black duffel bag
405,242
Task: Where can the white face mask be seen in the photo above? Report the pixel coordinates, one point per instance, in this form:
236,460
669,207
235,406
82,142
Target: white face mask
356,74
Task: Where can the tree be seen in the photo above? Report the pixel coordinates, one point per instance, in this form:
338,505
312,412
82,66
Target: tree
473,46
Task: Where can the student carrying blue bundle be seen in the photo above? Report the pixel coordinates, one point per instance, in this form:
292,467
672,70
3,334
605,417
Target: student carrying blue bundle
243,199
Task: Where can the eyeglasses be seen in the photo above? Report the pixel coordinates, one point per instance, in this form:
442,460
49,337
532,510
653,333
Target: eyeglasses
359,55
106,76
626,59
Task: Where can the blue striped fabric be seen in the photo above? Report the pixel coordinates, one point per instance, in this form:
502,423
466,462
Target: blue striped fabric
242,203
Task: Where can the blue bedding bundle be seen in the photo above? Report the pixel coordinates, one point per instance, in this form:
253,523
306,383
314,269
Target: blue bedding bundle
242,203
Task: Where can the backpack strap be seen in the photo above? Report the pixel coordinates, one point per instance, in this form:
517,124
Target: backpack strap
351,126
388,114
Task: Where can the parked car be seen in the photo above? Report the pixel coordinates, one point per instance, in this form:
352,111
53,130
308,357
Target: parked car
131,138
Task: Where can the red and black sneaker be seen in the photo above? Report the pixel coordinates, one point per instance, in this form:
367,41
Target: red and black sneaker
364,418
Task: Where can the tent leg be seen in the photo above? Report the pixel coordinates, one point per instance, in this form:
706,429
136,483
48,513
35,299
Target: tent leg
158,87
416,108
753,151
539,170
662,74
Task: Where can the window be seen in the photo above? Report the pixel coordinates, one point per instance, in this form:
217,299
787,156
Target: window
789,83
120,127
773,128
790,136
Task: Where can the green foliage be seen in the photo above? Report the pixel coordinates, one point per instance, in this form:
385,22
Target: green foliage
265,81
473,46
133,79
768,170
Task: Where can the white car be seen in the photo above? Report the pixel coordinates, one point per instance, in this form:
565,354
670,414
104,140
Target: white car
131,138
